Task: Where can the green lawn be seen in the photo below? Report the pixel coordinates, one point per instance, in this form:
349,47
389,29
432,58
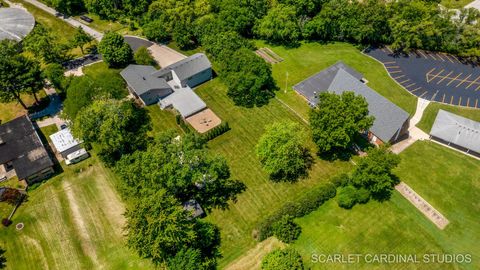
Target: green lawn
431,111
46,132
455,3
102,25
12,110
237,146
72,221
449,181
162,120
310,58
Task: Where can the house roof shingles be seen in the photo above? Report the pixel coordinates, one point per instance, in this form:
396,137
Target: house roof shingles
139,78
457,130
21,145
187,67
389,118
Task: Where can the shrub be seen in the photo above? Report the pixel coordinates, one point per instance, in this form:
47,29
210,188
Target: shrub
286,229
347,197
6,222
298,208
340,180
283,259
216,131
363,195
142,57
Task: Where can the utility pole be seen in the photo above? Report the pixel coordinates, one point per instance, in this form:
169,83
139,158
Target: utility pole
286,83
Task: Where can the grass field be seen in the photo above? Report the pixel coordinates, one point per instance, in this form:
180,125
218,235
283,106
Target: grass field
73,221
455,3
262,196
162,120
310,58
449,181
12,110
431,111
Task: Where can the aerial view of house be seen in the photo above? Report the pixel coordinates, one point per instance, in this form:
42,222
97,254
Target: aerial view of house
239,135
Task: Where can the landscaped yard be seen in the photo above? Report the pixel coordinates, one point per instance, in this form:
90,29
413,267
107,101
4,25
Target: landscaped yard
237,145
310,58
447,179
72,221
455,3
431,111
12,110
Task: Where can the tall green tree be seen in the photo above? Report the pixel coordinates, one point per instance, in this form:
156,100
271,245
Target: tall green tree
115,51
44,45
69,7
3,260
81,38
374,173
143,57
283,153
337,119
280,25
282,260
114,127
55,74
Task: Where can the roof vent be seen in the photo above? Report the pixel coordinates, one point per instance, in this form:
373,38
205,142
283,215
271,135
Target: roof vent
144,78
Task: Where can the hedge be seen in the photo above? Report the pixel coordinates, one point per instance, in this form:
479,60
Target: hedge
181,123
298,208
216,131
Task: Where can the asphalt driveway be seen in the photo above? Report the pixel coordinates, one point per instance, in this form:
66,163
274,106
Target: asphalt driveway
433,76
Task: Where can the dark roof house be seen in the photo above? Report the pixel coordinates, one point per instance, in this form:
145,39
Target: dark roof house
391,122
457,131
194,208
21,148
171,86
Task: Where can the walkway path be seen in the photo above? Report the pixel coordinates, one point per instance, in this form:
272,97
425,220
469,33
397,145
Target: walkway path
414,132
70,20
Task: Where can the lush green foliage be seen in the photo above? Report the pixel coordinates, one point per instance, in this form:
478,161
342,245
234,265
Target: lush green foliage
349,195
156,31
55,74
280,25
282,260
114,127
44,45
283,153
18,74
300,207
142,57
188,259
286,229
337,119
216,131
183,168
115,51
83,91
81,38
68,7
374,173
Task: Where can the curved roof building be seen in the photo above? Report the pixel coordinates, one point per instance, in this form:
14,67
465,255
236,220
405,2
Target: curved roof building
15,23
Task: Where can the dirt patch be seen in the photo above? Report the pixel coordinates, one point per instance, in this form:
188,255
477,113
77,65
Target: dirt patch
74,72
164,55
421,204
268,55
204,121
86,241
253,258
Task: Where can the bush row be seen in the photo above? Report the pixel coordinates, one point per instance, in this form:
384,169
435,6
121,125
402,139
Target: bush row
182,124
216,131
298,208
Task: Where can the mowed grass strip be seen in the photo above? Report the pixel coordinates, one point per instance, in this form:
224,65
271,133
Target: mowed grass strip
311,58
262,196
431,112
448,180
73,221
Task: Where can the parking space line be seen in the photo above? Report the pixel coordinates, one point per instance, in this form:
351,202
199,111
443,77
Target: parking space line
460,101
456,58
393,67
476,103
454,79
435,76
395,71
468,102
478,87
451,100
383,50
443,99
444,77
464,80
388,49
404,81
472,82
431,55
401,76
410,85
389,63
434,95
424,93
439,56
446,56
416,89
422,54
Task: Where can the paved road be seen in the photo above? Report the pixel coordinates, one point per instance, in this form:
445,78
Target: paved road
94,33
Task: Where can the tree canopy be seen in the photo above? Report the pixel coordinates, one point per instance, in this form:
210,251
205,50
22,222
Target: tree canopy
337,119
284,259
282,152
81,38
280,25
115,51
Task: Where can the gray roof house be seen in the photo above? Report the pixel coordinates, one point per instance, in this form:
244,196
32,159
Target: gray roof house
22,150
391,122
457,131
170,86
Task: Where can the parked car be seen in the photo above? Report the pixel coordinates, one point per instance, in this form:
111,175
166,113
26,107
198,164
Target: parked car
63,126
87,19
76,156
58,14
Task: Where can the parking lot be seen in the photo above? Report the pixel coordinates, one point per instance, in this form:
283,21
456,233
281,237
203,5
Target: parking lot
433,76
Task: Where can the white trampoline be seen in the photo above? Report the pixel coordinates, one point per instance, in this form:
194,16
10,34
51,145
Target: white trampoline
15,23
